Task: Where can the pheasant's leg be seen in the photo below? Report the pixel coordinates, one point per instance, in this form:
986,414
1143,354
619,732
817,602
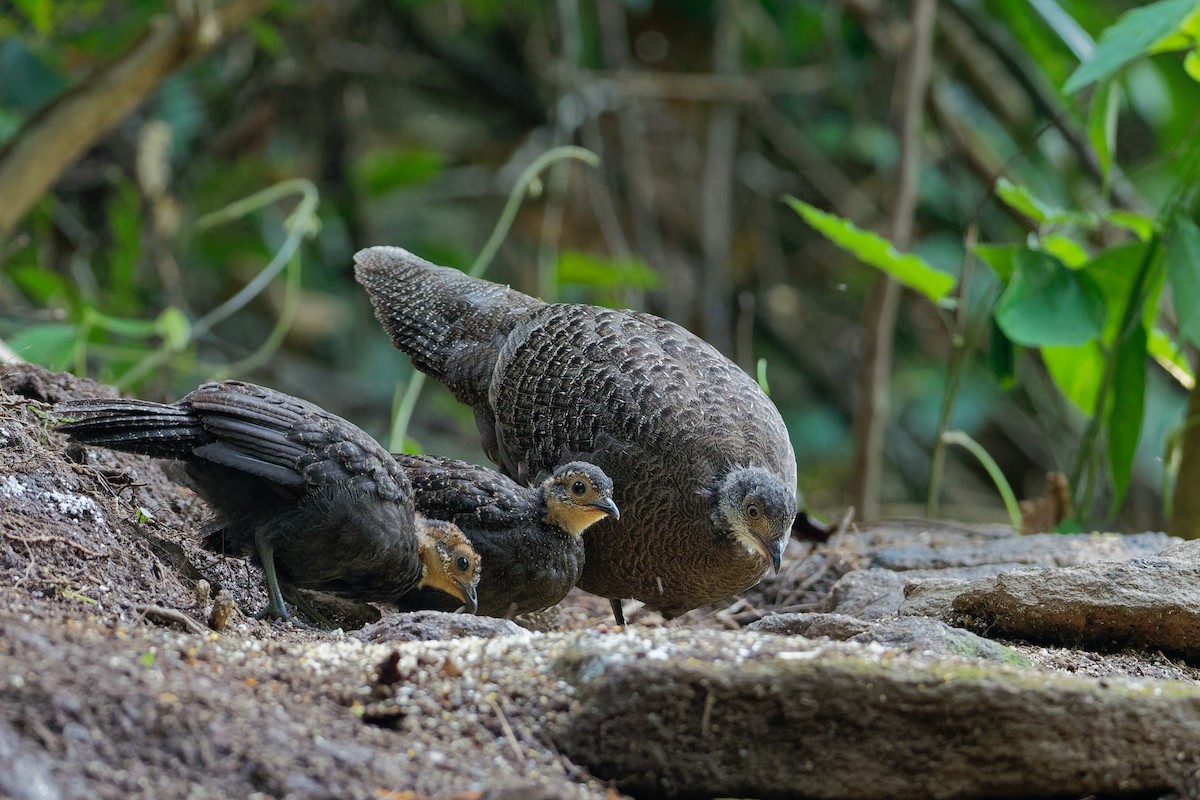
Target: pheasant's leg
308,609
617,612
275,609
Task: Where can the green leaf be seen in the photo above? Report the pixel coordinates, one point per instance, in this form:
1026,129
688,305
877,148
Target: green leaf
1003,357
1125,419
40,284
1139,225
1048,303
38,12
1170,357
381,171
1114,270
50,345
174,328
147,658
1102,123
999,257
1191,64
1181,255
872,249
1130,37
1066,250
1076,371
586,269
1020,199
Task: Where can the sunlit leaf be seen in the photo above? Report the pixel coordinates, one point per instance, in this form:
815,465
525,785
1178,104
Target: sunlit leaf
1181,255
1114,271
1066,250
50,345
1139,225
175,329
1125,419
1076,371
1130,37
1047,303
1191,64
38,283
877,251
40,14
1171,357
1022,200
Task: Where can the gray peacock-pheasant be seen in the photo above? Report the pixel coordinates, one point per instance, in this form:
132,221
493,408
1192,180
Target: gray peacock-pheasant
701,463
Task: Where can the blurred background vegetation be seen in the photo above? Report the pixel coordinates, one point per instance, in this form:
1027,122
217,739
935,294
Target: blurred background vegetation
414,118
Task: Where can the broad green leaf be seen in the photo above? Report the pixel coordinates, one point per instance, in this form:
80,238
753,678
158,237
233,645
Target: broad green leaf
40,284
1102,123
1181,254
870,248
1076,372
1130,37
586,269
1139,225
999,257
1048,303
381,171
50,345
1125,419
1114,271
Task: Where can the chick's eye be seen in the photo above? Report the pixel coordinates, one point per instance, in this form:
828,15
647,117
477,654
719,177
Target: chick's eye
752,511
578,488
462,563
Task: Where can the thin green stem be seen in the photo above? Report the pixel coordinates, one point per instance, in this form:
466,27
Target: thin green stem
525,181
993,470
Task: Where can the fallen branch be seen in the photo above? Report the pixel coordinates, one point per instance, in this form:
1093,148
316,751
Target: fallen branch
164,614
87,551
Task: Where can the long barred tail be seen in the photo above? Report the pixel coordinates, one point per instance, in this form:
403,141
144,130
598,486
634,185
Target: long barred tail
133,426
450,324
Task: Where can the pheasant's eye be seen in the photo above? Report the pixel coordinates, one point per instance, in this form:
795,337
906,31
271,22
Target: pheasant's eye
578,488
752,511
462,563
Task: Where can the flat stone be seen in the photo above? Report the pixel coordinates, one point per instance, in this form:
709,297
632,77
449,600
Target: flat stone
1145,603
1040,549
811,625
876,593
729,715
420,626
934,637
932,597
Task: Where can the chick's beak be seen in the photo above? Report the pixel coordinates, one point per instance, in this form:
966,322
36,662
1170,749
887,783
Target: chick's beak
608,507
470,597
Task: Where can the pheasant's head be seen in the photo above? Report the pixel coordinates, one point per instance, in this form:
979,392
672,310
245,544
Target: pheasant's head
448,562
756,509
578,495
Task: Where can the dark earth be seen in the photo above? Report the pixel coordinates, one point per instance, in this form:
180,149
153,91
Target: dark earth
112,684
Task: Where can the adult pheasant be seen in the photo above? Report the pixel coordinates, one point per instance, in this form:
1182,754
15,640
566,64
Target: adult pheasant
702,467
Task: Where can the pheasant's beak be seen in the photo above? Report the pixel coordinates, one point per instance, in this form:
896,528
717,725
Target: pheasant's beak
470,597
772,549
608,507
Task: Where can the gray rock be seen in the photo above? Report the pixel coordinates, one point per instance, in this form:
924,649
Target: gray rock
421,626
838,627
927,533
876,593
25,772
932,597
1041,549
933,637
1147,603
784,719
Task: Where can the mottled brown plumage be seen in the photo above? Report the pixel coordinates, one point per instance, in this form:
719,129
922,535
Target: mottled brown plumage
530,539
317,501
703,469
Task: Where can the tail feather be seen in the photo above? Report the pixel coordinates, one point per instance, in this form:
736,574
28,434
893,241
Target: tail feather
133,426
450,324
